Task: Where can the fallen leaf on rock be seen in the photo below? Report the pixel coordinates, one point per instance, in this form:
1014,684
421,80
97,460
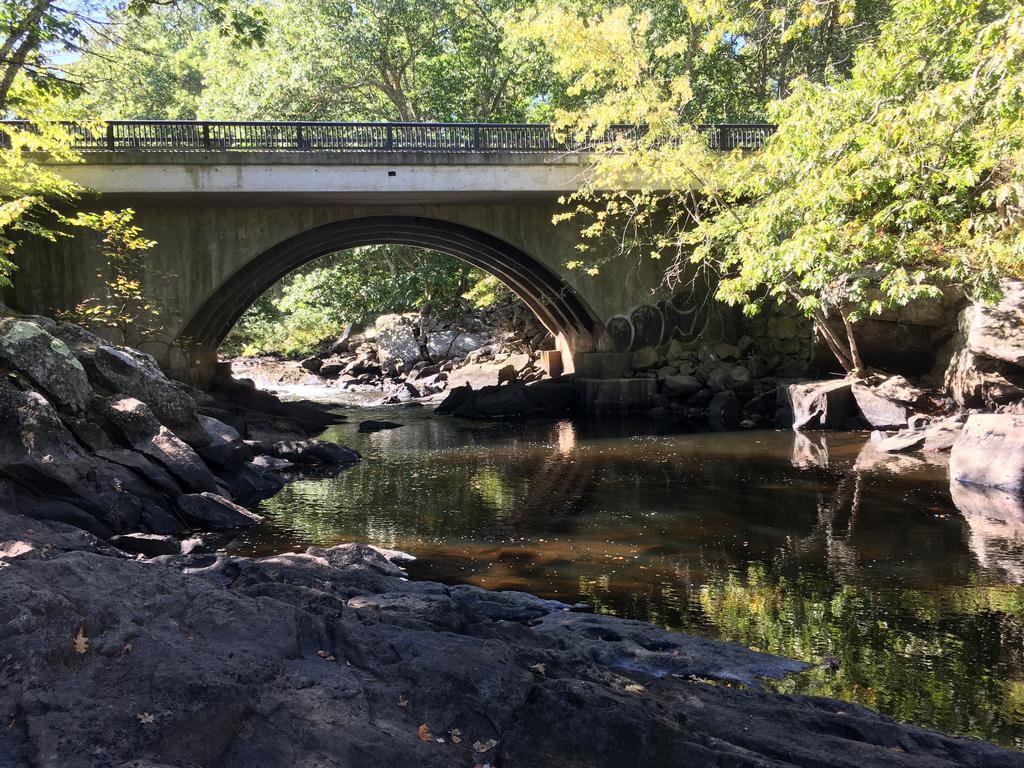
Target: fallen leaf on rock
81,641
635,688
125,650
402,701
538,668
145,718
456,735
325,655
439,740
424,733
484,746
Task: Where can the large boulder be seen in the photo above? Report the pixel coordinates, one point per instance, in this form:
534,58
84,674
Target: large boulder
124,371
225,449
444,344
996,331
495,402
252,481
929,437
396,340
985,365
139,427
821,404
456,398
312,364
680,386
210,510
47,362
40,454
643,359
549,397
879,410
152,472
990,452
311,452
331,658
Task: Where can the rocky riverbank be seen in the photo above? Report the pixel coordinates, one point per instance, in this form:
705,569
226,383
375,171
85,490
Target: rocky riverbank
411,357
332,658
96,436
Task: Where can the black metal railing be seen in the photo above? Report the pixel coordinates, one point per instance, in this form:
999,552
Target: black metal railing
237,136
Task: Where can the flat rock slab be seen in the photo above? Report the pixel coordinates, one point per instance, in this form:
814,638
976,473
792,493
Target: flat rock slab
332,659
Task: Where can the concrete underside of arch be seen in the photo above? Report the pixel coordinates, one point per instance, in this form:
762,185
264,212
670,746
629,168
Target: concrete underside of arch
214,257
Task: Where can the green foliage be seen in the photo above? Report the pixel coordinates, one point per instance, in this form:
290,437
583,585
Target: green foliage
124,304
488,291
881,190
877,190
28,190
333,60
36,39
152,69
313,305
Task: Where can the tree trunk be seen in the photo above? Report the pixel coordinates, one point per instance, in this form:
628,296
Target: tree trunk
858,365
26,37
839,346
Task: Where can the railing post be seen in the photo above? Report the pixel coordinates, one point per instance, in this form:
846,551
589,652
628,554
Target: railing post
476,138
300,143
206,136
391,137
110,136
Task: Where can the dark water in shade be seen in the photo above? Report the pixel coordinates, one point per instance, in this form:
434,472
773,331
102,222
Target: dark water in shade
807,547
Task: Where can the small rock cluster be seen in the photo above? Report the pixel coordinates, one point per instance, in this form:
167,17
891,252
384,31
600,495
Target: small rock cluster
985,449
96,436
725,385
413,356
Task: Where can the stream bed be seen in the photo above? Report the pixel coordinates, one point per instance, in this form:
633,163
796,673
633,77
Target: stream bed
905,596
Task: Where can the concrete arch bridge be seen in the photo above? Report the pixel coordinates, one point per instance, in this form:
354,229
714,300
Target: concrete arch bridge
236,206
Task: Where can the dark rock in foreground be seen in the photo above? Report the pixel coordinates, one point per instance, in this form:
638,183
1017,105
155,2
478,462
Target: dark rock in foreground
98,437
331,659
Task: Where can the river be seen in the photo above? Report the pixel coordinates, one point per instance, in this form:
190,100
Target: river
791,544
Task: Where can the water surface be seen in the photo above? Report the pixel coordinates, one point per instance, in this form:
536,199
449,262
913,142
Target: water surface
908,600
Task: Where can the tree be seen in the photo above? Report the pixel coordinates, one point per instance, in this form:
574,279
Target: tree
408,60
875,191
36,36
28,190
151,66
124,306
884,188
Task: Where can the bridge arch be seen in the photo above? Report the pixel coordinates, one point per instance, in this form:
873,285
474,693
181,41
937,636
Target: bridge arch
555,302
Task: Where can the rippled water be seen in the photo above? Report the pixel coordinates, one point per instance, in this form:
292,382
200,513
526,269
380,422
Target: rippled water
908,599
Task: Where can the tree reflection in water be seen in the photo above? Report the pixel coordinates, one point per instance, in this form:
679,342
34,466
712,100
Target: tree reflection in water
814,547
